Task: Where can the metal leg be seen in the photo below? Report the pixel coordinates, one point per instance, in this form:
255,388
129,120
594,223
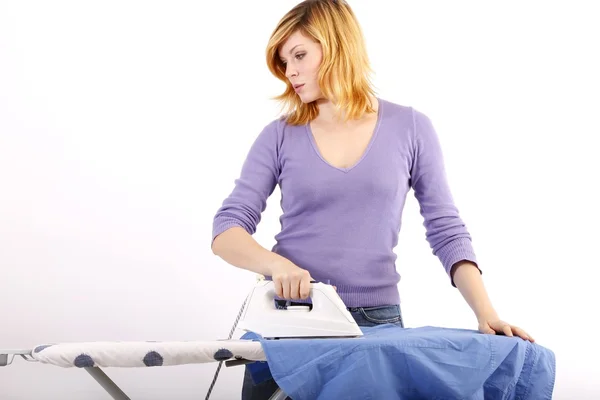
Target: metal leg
107,383
278,395
7,356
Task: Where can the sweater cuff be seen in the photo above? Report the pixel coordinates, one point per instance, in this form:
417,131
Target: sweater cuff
223,224
457,250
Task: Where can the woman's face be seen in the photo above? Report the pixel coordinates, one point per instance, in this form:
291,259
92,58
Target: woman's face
301,57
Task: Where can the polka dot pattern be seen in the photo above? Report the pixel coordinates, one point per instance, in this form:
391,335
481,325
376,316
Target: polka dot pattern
135,354
83,361
40,348
153,359
222,355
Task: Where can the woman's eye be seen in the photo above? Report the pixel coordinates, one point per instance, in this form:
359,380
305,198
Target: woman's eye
300,55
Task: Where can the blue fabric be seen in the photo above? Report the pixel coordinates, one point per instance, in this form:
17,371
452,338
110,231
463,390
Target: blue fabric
260,373
391,362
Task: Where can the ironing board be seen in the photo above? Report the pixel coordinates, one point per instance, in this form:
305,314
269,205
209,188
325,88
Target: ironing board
92,356
423,362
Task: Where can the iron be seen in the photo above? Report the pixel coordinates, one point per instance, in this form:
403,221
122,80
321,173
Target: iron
326,317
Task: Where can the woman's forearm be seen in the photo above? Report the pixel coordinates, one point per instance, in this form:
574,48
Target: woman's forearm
467,279
238,248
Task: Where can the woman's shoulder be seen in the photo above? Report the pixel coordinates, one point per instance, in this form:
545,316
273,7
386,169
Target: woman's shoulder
398,114
279,124
275,131
395,108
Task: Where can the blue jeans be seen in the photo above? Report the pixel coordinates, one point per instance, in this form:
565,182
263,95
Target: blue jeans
364,316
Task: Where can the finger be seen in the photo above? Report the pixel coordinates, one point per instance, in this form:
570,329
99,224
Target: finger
286,289
305,287
295,288
506,329
531,339
487,330
522,334
278,287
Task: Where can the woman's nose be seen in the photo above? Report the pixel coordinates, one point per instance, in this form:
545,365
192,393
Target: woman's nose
290,72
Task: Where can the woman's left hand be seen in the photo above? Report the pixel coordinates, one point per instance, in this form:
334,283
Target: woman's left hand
494,325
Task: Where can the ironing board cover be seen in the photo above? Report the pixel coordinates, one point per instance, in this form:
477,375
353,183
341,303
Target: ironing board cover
145,354
390,362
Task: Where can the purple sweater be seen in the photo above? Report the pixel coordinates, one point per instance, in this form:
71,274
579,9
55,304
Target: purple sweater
342,225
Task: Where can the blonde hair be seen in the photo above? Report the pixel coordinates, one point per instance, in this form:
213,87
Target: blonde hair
344,73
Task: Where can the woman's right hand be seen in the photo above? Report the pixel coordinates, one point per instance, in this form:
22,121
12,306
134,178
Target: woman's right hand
290,281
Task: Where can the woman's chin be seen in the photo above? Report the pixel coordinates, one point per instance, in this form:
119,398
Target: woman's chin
308,98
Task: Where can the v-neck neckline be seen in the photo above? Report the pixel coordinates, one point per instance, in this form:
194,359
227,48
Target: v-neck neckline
315,147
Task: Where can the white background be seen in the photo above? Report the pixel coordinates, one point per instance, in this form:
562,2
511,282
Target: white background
123,125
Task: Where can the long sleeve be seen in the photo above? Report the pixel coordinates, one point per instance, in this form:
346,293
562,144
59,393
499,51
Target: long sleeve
446,232
257,181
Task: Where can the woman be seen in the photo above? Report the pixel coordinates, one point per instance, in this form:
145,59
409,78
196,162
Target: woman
344,160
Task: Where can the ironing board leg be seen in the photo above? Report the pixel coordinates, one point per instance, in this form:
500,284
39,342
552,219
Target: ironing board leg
107,383
278,395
